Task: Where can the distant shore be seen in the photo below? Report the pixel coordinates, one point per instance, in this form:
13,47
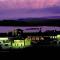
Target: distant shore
28,28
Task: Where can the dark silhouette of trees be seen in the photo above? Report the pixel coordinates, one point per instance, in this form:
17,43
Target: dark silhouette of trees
31,22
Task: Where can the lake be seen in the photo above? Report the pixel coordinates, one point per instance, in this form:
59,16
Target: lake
4,29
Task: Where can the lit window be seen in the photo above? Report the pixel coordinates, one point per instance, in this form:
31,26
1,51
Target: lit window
33,38
18,44
41,38
53,37
37,37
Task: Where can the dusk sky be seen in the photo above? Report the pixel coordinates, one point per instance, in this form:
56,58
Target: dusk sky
12,9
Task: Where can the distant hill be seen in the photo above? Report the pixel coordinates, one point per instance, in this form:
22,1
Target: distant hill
31,22
52,17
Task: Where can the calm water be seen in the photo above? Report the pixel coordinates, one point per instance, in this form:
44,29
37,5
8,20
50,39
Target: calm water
28,28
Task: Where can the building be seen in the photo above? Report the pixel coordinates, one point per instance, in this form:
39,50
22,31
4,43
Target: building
34,36
16,33
20,39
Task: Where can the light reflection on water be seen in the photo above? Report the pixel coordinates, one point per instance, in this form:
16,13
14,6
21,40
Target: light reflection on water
28,28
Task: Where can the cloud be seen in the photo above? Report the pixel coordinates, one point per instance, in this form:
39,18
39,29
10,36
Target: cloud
10,4
29,8
27,13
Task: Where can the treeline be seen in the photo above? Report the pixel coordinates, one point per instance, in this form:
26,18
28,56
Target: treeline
31,22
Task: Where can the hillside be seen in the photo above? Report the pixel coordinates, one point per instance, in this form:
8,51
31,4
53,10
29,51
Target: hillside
31,22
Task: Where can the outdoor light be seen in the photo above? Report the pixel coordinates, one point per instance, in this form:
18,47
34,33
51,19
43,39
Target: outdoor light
53,37
18,44
3,38
21,43
58,37
6,45
50,36
27,42
41,38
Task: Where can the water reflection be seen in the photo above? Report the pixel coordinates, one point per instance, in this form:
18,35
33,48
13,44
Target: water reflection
28,28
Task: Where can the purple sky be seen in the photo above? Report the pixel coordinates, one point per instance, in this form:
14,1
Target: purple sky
12,9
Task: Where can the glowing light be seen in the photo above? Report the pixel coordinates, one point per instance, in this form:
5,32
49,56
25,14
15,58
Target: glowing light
21,43
4,38
5,44
58,37
41,38
27,42
53,37
18,44
50,36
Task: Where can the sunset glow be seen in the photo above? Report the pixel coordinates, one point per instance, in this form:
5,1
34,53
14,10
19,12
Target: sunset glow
29,8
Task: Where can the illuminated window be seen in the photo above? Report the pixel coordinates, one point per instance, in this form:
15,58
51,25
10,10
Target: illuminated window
41,38
33,37
16,41
21,43
53,37
18,44
37,37
27,42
